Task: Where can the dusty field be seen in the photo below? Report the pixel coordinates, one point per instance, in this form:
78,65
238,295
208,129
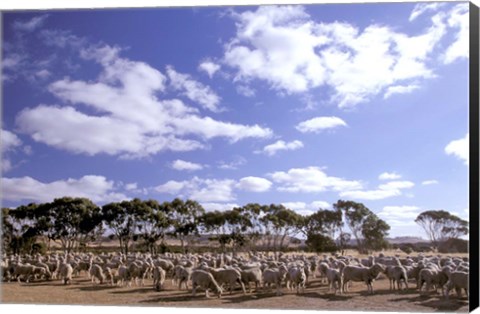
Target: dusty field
316,297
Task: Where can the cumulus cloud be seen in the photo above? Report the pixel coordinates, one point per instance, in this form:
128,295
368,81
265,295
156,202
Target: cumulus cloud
319,124
458,19
293,53
96,188
130,120
186,165
390,189
193,90
10,143
311,180
389,176
209,67
400,216
219,206
429,182
201,190
421,8
30,25
459,148
400,89
306,208
280,145
254,184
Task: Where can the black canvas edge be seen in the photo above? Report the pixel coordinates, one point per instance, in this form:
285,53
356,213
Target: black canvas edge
474,157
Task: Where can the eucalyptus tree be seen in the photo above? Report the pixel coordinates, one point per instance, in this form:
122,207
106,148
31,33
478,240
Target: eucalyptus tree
368,230
441,225
124,219
281,224
74,221
185,218
20,223
152,223
320,229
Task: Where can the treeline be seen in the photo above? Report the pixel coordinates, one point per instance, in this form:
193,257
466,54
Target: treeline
77,222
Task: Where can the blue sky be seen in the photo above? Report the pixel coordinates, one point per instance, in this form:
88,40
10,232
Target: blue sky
299,105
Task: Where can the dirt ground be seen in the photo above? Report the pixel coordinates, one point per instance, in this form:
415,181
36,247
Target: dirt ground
316,297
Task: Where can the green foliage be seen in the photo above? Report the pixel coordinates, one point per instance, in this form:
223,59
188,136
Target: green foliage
441,225
320,243
369,230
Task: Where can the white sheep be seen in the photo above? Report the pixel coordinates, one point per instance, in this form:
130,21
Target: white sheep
251,275
228,276
358,273
27,272
96,273
457,280
123,276
205,280
296,277
432,276
66,273
183,275
335,279
158,278
397,274
274,276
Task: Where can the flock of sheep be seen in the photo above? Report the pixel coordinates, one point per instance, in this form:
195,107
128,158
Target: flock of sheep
217,272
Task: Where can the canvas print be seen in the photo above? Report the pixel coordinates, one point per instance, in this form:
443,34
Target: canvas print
307,156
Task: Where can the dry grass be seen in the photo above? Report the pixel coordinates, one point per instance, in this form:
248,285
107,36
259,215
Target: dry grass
316,297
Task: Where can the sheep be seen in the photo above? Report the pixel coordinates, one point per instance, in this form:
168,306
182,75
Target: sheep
183,275
123,276
137,270
396,274
457,280
274,276
205,280
251,275
27,272
296,275
66,273
96,273
432,276
335,279
323,266
228,276
357,273
158,278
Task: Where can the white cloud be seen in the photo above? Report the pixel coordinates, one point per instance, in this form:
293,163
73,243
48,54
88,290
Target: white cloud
319,124
186,165
459,18
62,39
390,189
209,67
400,89
389,176
129,119
131,186
311,180
285,47
193,90
201,190
10,142
279,145
306,209
459,148
96,188
399,212
219,206
429,182
245,90
254,184
421,8
30,25
232,165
